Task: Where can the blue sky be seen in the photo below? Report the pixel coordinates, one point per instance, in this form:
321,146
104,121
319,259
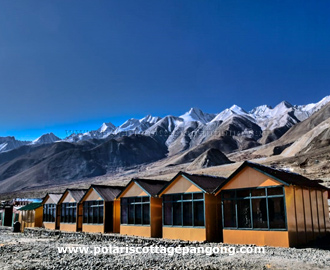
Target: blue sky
67,65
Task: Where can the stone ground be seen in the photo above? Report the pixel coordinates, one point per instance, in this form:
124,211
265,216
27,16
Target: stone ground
37,249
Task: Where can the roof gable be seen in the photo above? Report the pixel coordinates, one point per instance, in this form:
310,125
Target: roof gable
52,198
283,177
72,195
106,193
143,187
204,183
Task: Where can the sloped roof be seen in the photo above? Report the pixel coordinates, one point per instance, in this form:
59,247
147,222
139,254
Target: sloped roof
285,177
54,196
207,183
151,186
108,193
76,194
30,206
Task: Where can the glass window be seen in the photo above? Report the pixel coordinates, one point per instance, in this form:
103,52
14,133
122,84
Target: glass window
146,214
135,210
93,212
243,193
229,213
49,212
124,213
199,213
268,208
168,213
227,194
186,209
177,219
275,191
259,212
244,213
258,192
138,213
276,213
187,196
187,214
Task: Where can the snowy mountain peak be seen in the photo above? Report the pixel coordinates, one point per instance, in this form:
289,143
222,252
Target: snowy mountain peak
260,110
107,127
150,119
238,110
196,114
284,104
46,138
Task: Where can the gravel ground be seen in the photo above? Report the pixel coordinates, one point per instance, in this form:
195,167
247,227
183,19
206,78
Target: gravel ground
37,249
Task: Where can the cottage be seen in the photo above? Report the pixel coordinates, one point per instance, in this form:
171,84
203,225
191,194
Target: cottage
265,206
6,214
101,209
51,211
71,210
190,209
30,215
141,210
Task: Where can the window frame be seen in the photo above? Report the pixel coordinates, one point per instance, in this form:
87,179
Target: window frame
127,204
182,201
250,198
96,204
49,212
70,218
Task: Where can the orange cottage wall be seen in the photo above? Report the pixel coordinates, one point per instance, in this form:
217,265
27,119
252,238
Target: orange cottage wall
249,178
68,227
307,218
144,231
93,228
116,216
49,225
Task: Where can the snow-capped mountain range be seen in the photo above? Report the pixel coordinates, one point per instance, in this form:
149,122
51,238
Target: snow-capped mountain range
195,126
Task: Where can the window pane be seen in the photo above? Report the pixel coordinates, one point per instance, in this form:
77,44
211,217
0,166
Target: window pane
138,214
187,196
187,213
62,212
100,220
276,213
131,213
242,193
90,212
199,213
176,197
95,213
228,194
229,213
74,215
124,200
67,213
177,213
275,191
244,214
198,196
145,199
124,214
167,198
146,213
168,214
259,211
258,192
85,208
138,199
